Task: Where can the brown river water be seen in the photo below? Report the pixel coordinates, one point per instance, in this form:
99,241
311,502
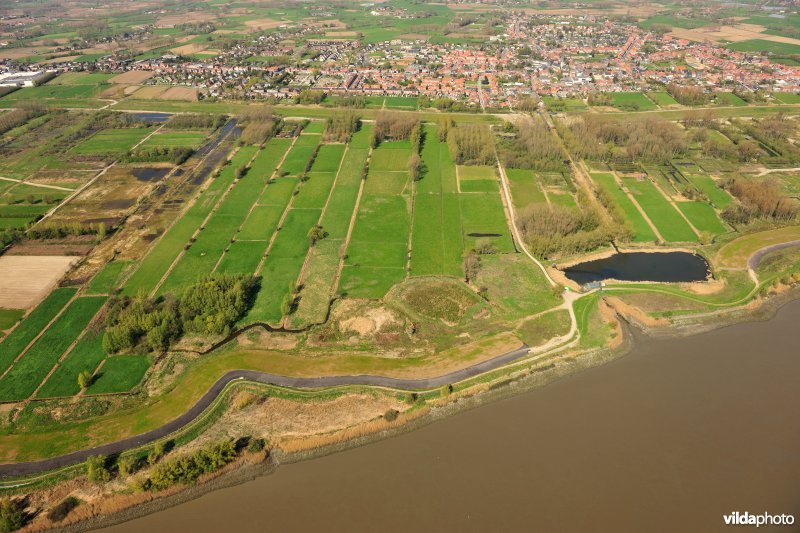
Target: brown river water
668,438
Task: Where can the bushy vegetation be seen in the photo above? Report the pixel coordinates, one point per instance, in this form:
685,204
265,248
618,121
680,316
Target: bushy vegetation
340,126
602,138
186,469
53,230
10,516
600,99
393,126
159,154
211,306
533,147
309,96
688,94
258,124
774,132
96,469
19,116
759,200
557,230
196,121
471,144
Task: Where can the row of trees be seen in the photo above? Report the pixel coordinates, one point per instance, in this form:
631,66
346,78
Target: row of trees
159,154
210,306
393,126
606,139
19,116
340,126
53,230
471,144
688,94
562,231
759,200
259,124
186,469
532,146
196,121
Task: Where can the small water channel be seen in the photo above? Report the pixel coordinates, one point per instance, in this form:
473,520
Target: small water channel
641,266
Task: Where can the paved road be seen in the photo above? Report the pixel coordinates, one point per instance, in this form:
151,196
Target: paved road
754,260
35,467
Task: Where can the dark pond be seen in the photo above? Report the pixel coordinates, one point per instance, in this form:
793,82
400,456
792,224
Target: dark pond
641,266
150,174
151,117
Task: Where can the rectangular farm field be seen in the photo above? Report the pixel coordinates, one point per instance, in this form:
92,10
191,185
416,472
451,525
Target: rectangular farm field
642,232
664,217
27,373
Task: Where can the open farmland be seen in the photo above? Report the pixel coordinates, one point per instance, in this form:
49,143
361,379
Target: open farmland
378,249
117,141
35,363
641,229
436,244
663,215
25,280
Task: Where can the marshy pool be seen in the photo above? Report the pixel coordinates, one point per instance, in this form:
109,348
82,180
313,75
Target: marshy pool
642,266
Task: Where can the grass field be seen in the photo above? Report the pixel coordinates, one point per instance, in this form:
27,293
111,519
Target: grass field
787,98
642,232
107,280
27,373
9,317
762,45
730,99
223,226
84,357
34,323
437,244
564,104
299,155
525,189
318,284
702,216
717,196
664,217
175,139
735,253
376,256
483,220
632,100
120,373
663,99
116,141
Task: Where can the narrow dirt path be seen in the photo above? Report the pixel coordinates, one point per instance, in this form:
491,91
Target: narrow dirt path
638,207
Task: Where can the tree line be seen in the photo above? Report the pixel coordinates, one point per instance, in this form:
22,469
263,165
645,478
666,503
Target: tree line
196,121
531,146
259,124
341,125
759,199
19,116
393,126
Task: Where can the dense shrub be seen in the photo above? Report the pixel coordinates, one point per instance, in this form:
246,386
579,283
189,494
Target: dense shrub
214,303
10,516
96,470
19,116
688,94
186,469
210,306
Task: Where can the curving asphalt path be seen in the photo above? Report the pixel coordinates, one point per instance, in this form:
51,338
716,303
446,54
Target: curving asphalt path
36,467
754,260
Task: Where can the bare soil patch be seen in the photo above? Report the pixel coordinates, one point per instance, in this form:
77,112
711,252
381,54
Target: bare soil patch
148,93
735,33
191,48
25,280
132,77
189,94
263,24
184,18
